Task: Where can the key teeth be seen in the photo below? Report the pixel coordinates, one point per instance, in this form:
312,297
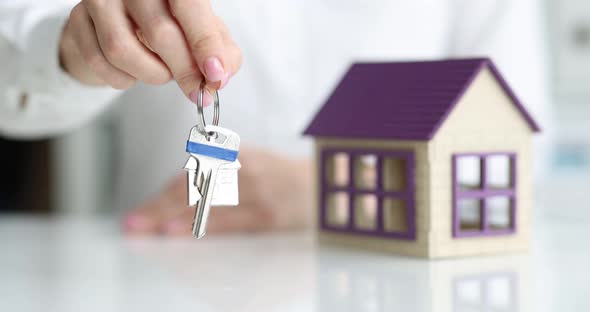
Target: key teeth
191,163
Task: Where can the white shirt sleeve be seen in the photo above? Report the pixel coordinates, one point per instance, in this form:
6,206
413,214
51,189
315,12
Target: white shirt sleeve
38,99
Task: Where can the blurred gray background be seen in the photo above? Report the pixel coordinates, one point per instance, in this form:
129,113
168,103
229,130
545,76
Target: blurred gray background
568,44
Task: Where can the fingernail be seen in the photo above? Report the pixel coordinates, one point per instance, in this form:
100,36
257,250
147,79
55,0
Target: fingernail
207,98
213,69
225,80
134,222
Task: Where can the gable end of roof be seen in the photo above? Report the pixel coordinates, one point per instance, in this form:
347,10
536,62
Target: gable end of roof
402,100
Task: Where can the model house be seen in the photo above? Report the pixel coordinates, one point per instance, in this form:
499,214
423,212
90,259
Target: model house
429,159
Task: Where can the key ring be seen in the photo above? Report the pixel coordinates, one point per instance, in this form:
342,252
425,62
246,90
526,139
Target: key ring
201,118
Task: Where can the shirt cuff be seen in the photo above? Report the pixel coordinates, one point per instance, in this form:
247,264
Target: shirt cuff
45,101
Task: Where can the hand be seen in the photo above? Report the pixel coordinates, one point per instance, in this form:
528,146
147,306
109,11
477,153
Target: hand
275,194
117,42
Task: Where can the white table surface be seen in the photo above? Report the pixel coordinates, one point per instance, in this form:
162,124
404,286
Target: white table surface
63,264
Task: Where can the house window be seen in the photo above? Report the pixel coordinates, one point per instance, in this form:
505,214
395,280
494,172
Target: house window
484,194
369,192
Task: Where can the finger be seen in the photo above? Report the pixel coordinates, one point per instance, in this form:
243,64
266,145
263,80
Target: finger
233,54
120,44
244,218
200,27
148,216
152,215
140,223
72,62
164,37
179,226
86,40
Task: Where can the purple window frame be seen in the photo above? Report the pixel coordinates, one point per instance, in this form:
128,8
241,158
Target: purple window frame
407,195
482,194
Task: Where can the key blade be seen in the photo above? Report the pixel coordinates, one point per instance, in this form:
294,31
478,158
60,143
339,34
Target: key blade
192,166
204,204
194,195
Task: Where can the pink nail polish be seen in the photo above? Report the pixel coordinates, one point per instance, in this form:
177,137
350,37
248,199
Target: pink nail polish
213,69
207,98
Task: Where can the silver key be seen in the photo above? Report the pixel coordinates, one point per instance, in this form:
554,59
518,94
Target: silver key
226,191
211,152
226,186
191,167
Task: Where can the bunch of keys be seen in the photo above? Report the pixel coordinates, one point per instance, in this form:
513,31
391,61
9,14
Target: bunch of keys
212,167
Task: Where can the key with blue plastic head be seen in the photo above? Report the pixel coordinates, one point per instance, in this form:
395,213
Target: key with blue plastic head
211,147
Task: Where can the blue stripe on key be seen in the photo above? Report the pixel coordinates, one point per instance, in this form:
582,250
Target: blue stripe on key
211,151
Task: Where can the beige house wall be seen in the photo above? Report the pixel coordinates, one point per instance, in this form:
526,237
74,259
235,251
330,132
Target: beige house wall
418,247
485,120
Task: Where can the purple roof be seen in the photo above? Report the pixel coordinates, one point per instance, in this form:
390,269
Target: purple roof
403,100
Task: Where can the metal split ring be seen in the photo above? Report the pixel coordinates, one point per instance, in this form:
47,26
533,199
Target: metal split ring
201,118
